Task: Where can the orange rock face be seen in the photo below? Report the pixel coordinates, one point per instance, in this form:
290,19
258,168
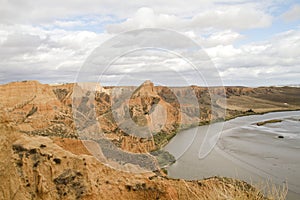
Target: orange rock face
127,115
30,105
42,157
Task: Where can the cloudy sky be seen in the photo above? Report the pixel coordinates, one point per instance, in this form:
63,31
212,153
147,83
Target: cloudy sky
250,43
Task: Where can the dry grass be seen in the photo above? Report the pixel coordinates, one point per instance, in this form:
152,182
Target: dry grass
220,188
243,103
272,191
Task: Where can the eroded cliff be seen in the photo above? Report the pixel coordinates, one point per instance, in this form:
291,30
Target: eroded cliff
43,156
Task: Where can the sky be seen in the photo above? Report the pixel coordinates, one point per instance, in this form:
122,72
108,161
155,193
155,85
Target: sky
249,43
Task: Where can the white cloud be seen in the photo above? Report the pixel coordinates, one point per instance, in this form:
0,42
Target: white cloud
69,23
224,37
236,17
38,38
293,14
275,60
27,50
146,18
223,51
220,17
31,11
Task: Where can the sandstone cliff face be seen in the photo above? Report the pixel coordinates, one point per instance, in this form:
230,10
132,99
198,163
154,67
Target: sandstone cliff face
161,115
31,106
122,113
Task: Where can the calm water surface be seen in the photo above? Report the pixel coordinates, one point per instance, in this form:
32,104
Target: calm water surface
243,150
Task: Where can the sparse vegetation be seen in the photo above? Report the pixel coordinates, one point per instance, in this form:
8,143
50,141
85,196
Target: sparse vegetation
164,158
18,148
70,183
217,188
272,191
162,138
57,160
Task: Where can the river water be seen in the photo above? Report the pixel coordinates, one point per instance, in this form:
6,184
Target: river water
243,150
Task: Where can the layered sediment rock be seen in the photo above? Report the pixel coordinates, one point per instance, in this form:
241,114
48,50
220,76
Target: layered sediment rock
148,114
42,158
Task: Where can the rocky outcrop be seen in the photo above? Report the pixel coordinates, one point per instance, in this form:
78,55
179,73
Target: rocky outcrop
35,167
29,105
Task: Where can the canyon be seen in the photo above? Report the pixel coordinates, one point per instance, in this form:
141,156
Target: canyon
69,141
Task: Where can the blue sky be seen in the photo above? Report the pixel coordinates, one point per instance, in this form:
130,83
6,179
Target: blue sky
250,43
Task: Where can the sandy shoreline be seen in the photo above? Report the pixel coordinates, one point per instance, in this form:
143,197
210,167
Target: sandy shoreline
243,151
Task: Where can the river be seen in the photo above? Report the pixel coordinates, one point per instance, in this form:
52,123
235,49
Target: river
243,150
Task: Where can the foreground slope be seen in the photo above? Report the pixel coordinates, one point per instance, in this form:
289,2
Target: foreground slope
36,167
